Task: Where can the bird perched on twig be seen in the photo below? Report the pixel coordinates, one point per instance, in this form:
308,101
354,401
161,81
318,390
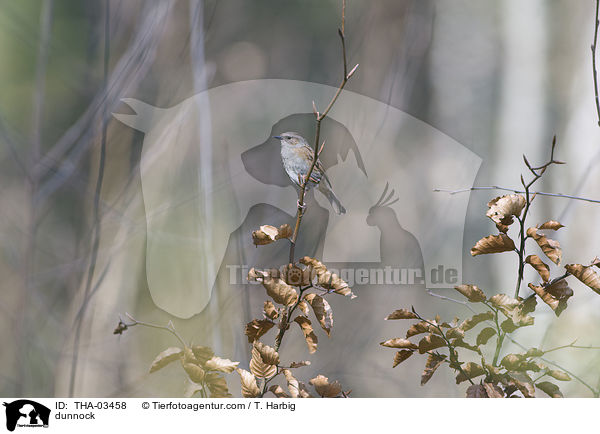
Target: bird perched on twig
297,157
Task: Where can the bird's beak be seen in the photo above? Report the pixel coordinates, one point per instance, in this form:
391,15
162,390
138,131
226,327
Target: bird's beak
278,137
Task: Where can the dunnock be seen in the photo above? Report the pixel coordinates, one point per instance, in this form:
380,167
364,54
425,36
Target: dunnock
297,157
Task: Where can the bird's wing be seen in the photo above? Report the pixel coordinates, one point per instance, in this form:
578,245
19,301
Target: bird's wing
322,170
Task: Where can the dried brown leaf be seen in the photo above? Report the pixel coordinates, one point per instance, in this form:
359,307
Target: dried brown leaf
586,275
484,336
433,362
277,289
559,290
221,365
542,268
399,343
472,292
455,333
324,388
401,356
476,391
270,310
307,330
199,354
505,303
493,391
556,305
468,324
512,362
249,387
462,344
217,385
267,353
303,306
508,326
259,368
322,311
418,328
326,279
256,328
549,389
292,383
558,375
551,248
523,383
493,244
300,364
268,234
276,390
430,342
469,370
401,314
165,357
502,209
551,224
195,372
534,352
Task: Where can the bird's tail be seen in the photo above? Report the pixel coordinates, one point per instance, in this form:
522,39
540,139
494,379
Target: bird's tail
333,200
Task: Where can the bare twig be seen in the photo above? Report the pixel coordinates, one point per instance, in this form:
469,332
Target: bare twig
594,69
319,118
453,355
572,345
594,391
443,297
286,317
169,327
513,190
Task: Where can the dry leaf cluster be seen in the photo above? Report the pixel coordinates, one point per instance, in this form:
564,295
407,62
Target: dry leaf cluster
295,292
480,338
204,370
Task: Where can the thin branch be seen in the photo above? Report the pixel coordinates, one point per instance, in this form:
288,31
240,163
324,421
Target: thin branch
453,355
572,345
318,119
594,69
594,391
443,297
497,187
169,327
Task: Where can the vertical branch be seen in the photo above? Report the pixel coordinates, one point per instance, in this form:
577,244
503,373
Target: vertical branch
33,181
96,210
537,172
318,119
594,69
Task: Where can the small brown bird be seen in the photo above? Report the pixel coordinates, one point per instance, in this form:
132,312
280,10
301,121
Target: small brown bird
297,157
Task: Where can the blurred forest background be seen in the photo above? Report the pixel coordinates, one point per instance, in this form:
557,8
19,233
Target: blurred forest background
501,78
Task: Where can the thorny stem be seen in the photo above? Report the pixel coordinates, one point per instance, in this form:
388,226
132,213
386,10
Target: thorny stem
318,119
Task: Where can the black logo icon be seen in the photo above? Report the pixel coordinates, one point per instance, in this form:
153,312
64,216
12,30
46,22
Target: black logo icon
26,413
